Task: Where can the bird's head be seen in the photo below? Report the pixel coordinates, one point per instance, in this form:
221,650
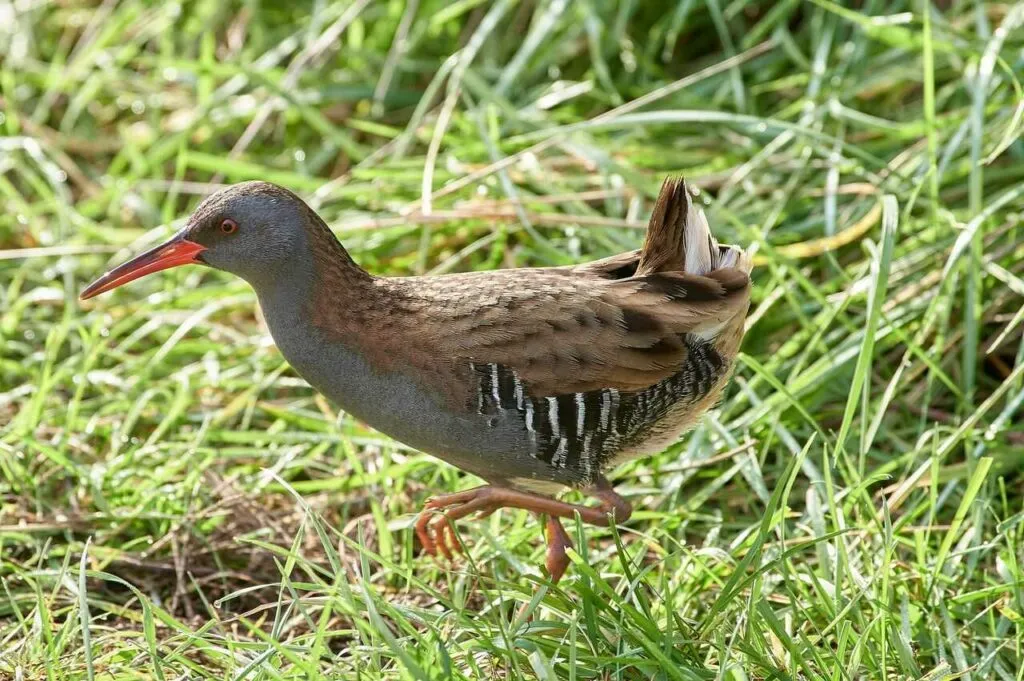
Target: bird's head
253,230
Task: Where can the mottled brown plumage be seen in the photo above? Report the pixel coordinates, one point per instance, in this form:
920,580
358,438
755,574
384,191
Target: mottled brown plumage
614,323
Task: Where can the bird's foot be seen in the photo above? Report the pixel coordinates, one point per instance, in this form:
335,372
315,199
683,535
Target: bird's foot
435,525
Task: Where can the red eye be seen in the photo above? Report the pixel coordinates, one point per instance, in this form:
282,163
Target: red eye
228,226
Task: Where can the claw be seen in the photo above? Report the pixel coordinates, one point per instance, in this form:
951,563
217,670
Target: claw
439,527
437,534
423,532
452,538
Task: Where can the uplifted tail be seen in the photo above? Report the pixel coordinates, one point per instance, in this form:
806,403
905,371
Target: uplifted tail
679,239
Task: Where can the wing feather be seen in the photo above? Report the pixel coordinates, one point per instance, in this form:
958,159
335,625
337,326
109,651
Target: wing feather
573,334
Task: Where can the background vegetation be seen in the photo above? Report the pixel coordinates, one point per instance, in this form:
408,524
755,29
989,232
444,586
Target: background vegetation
176,504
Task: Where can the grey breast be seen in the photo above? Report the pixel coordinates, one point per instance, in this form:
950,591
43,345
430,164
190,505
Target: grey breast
495,444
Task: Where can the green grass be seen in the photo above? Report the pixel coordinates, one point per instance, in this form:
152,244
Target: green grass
176,504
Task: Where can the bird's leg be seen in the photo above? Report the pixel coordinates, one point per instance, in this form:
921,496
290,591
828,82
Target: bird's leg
437,534
558,541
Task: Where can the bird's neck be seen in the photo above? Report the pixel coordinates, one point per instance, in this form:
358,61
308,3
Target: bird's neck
320,285
330,320
320,279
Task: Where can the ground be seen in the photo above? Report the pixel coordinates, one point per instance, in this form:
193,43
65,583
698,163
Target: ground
176,504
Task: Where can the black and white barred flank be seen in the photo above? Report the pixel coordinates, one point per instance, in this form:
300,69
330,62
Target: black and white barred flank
581,431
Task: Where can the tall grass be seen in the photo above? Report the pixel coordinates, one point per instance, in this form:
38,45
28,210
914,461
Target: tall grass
175,503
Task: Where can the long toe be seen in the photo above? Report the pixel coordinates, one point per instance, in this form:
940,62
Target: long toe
557,560
454,499
452,538
444,528
444,536
422,528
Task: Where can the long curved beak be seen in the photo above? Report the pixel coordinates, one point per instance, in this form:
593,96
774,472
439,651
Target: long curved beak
176,251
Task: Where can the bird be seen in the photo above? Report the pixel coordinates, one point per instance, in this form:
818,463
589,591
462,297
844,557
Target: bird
537,380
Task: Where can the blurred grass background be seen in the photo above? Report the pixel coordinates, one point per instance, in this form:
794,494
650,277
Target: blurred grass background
176,504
